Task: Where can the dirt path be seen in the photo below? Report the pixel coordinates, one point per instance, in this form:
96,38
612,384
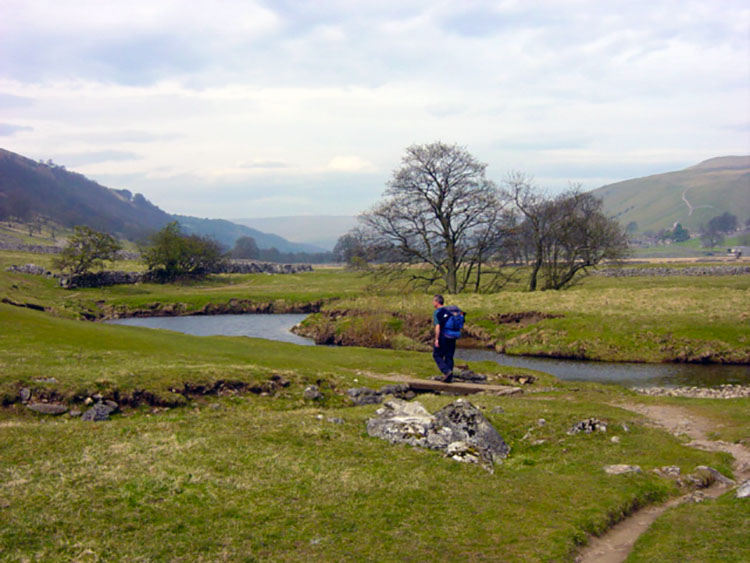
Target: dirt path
615,545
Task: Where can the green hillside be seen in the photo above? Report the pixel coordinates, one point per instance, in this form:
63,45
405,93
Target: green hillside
691,196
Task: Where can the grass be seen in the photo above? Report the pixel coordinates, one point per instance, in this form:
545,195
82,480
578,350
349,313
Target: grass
714,530
270,477
240,479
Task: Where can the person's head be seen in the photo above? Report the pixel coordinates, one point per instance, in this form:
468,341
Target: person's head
437,301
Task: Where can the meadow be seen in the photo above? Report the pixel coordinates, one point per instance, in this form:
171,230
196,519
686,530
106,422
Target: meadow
211,458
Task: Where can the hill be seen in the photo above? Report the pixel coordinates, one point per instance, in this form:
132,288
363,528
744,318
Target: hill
318,230
227,232
691,196
30,189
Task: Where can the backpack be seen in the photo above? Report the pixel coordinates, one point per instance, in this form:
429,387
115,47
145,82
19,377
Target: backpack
454,323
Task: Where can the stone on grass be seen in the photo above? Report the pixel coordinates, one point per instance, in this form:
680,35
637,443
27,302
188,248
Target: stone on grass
743,491
48,408
621,469
24,394
312,393
365,396
100,411
705,476
459,426
588,426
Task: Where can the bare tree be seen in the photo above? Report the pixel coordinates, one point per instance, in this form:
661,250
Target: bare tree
439,210
563,236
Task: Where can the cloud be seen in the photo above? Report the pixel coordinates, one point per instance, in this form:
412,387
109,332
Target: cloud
350,164
94,157
8,129
264,164
218,104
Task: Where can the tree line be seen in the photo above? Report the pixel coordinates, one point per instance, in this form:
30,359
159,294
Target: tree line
168,254
442,221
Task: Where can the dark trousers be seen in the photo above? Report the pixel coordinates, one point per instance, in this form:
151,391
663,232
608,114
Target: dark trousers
443,354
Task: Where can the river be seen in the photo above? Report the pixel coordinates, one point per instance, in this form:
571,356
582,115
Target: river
277,327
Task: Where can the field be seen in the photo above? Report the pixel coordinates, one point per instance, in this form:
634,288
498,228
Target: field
216,455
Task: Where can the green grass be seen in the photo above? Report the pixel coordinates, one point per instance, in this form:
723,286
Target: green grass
714,530
271,478
238,478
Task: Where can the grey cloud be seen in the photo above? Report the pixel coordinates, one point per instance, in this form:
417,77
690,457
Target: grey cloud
8,129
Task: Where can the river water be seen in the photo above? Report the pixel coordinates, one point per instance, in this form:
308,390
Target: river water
277,327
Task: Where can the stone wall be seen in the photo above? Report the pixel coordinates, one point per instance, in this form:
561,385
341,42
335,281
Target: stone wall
664,272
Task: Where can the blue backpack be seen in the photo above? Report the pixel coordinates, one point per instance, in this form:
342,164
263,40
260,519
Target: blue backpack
454,323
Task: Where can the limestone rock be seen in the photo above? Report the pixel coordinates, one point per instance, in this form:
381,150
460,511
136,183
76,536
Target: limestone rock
401,422
588,426
462,451
99,412
459,429
743,491
365,396
312,393
24,394
467,424
48,408
621,469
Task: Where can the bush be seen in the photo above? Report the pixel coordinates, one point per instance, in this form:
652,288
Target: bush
172,254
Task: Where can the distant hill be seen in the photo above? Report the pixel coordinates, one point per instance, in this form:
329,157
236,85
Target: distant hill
227,232
319,230
30,189
691,196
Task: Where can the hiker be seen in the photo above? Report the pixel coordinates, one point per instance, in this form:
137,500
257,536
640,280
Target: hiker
444,345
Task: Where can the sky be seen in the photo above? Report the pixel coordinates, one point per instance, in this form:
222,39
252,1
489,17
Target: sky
242,108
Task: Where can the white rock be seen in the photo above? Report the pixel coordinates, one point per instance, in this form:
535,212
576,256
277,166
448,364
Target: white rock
621,469
743,491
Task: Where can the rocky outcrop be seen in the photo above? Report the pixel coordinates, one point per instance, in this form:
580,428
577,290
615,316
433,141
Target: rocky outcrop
366,396
459,429
729,391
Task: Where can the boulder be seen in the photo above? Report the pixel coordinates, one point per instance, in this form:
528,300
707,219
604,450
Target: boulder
365,396
312,393
402,422
467,424
743,491
459,429
100,411
588,426
48,408
621,469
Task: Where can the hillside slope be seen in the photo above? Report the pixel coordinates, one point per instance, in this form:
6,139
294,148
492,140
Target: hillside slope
32,189
691,196
29,188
